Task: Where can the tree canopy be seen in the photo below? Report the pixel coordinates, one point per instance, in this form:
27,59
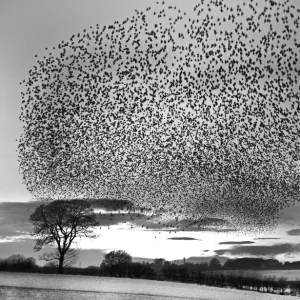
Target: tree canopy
116,262
117,257
215,264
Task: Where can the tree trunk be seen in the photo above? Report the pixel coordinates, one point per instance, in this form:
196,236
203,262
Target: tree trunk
61,263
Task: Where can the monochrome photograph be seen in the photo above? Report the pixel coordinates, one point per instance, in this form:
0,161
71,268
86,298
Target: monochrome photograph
149,149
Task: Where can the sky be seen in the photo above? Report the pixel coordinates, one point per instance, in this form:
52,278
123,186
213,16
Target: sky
26,28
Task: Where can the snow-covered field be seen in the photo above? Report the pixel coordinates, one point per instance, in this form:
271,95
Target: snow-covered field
22,286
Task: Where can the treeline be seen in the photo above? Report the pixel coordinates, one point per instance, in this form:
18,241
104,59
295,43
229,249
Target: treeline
119,264
259,264
211,274
191,273
18,263
246,280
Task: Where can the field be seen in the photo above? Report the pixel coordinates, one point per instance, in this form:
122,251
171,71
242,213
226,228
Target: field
21,286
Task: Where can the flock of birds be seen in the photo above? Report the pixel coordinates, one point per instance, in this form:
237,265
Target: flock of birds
194,117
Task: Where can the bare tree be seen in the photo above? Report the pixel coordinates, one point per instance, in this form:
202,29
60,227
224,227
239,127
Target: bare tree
60,222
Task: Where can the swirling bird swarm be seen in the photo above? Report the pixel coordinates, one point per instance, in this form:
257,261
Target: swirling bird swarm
196,116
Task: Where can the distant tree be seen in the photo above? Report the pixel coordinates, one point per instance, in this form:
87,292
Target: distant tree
158,264
115,262
167,264
215,264
16,259
170,271
116,258
60,222
295,288
30,263
18,262
282,285
92,267
292,265
268,282
159,261
140,270
3,264
183,273
203,266
248,263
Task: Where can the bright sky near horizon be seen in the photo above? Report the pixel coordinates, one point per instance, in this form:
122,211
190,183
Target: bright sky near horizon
27,28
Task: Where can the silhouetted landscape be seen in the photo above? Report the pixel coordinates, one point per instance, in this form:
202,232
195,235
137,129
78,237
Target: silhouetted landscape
169,130
235,273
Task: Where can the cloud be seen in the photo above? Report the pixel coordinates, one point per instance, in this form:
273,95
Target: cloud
294,232
106,219
212,222
267,238
290,256
290,215
236,243
24,247
204,224
271,250
14,218
217,229
200,229
183,239
17,238
137,220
